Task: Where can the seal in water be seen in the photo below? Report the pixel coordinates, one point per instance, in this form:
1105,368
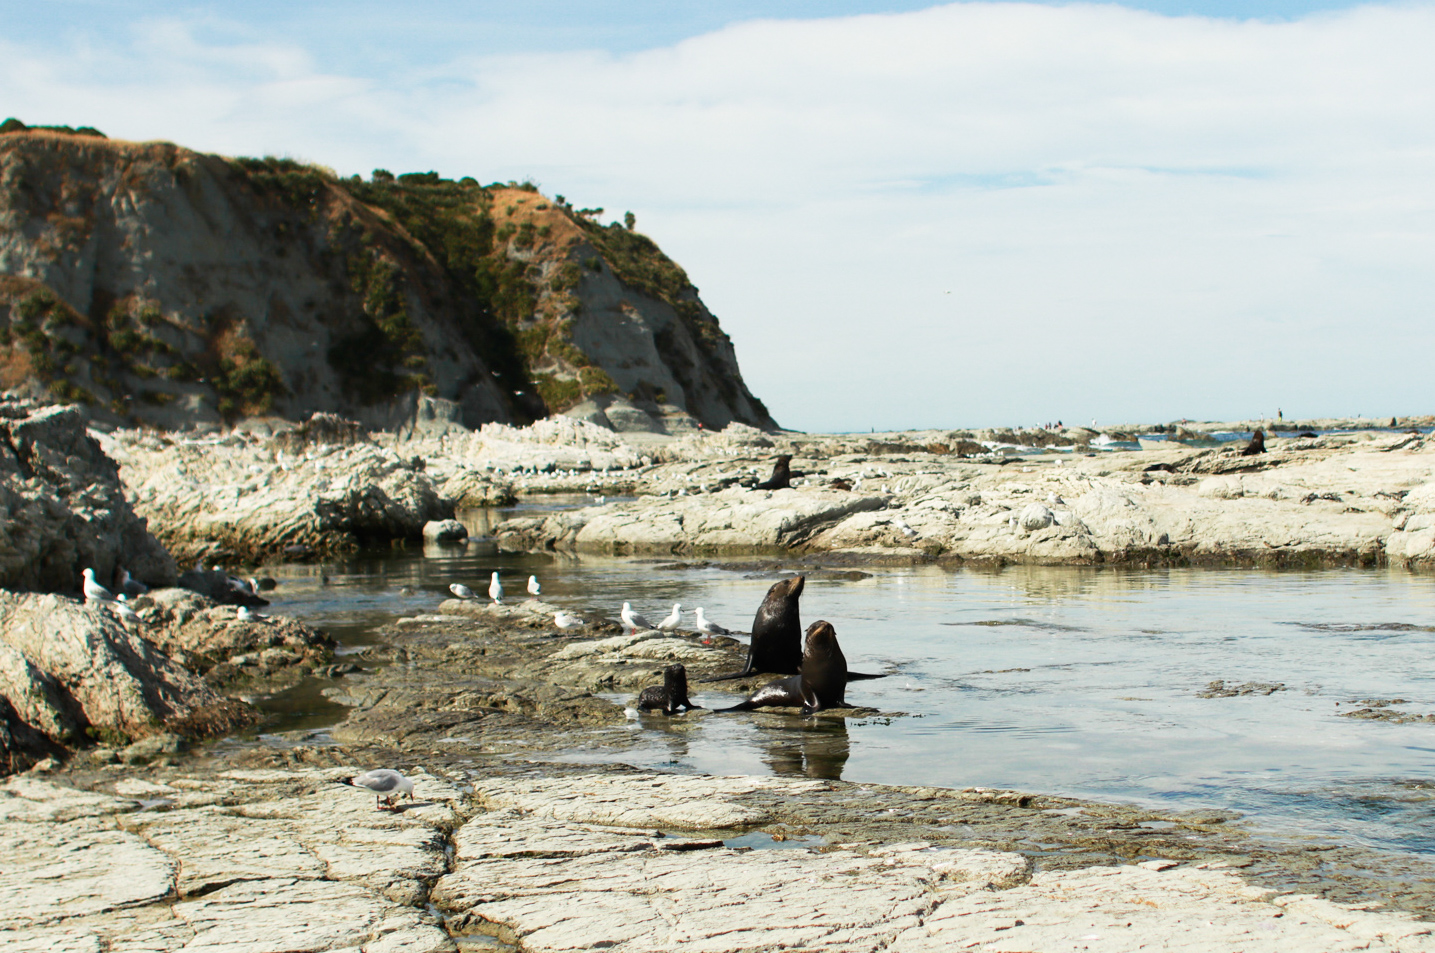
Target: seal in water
672,697
776,645
1257,444
821,684
781,477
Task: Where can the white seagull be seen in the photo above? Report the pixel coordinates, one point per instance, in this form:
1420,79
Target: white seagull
707,627
533,587
634,621
94,592
495,588
566,620
246,614
460,590
671,622
125,612
386,783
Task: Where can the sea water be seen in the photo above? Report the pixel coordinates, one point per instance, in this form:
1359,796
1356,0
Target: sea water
1059,680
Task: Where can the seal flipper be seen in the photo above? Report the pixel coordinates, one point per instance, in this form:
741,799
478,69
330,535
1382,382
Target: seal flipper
863,676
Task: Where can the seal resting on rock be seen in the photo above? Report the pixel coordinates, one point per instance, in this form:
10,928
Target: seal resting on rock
776,644
1257,444
820,685
672,697
781,477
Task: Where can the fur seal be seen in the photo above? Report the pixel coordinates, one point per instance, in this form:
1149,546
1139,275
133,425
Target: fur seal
1257,444
672,697
776,644
821,684
781,477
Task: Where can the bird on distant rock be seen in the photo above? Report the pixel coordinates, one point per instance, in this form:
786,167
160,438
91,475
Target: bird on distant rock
566,620
94,592
533,587
671,622
495,589
386,784
634,621
460,590
708,627
131,586
246,614
122,610
907,531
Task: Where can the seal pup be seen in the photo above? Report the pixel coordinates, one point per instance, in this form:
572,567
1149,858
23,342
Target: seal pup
776,644
821,684
1257,444
672,697
386,783
781,477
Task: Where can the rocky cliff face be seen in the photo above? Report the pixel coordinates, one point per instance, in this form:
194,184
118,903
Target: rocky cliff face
164,286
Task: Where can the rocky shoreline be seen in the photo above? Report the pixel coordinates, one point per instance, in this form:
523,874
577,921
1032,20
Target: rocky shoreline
510,847
124,830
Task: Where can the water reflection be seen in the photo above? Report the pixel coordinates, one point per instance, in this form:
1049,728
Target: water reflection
812,747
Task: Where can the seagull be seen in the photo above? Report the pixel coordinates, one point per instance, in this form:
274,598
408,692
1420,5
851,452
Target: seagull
386,783
460,590
533,586
566,620
125,612
94,592
709,628
671,622
495,589
634,621
131,586
247,614
907,531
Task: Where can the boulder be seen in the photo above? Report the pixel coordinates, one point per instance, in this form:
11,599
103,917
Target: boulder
445,531
231,497
63,508
70,671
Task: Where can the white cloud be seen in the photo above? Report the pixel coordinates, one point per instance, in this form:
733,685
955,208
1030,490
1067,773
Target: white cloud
1136,216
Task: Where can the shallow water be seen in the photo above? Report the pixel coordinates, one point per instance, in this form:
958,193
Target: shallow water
1057,680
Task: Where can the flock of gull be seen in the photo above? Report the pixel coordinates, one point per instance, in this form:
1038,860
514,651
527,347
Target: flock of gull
567,620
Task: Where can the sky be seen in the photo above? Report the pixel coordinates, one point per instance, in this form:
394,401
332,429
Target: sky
905,215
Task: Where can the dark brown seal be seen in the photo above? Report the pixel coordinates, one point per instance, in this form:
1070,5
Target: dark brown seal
1257,444
672,697
821,684
776,645
781,477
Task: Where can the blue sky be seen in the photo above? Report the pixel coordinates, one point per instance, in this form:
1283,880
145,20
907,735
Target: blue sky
904,215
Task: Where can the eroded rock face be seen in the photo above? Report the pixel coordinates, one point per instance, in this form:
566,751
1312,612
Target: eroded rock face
63,508
71,671
237,497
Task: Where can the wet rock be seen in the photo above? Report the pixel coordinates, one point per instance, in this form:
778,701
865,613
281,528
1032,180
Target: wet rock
64,508
445,531
1219,689
152,748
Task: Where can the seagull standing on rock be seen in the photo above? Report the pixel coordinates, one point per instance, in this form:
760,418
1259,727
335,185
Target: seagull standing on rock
566,620
94,592
671,622
386,783
533,587
708,627
495,589
131,586
634,621
460,590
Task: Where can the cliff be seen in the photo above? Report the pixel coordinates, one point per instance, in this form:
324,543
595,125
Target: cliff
164,286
